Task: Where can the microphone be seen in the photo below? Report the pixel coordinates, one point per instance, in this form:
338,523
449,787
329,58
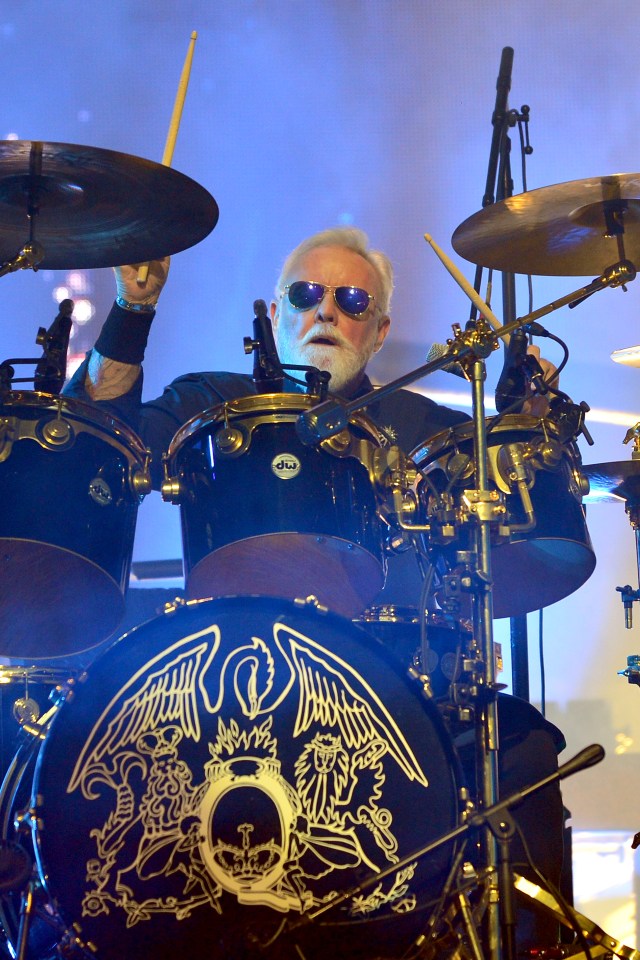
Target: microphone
512,385
437,350
267,369
588,757
322,421
51,370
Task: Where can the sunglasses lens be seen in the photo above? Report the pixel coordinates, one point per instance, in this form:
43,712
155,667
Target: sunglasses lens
352,300
304,295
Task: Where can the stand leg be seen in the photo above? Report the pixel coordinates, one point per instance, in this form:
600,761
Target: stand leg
26,911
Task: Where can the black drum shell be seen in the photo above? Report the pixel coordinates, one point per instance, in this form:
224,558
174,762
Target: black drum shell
533,568
398,629
274,517
66,818
68,524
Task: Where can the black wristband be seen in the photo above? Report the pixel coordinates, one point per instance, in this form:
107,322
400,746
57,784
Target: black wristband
124,335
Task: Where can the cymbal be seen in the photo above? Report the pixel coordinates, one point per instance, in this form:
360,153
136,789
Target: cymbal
619,479
578,228
95,207
628,356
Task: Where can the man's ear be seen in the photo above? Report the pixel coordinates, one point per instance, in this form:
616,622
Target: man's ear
274,314
383,330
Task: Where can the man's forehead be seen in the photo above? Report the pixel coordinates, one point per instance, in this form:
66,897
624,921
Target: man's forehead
332,257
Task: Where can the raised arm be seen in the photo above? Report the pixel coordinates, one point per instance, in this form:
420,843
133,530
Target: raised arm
114,364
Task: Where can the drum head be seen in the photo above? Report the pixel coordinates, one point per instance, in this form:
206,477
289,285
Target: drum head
226,771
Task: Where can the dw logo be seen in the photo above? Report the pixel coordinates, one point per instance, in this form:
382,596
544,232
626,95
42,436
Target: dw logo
286,466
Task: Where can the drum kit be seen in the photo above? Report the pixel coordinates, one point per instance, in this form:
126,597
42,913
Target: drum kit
267,768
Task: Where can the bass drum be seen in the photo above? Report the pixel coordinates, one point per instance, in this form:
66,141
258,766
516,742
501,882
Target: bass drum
225,771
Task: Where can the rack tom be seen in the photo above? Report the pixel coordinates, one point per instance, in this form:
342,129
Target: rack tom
264,515
539,562
71,478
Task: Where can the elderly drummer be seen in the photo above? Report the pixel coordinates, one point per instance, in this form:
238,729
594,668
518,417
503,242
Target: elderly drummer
330,310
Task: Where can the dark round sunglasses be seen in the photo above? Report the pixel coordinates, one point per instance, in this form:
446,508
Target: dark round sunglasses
306,294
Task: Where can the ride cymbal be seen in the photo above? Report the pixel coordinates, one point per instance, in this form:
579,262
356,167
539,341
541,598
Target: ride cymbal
96,208
578,228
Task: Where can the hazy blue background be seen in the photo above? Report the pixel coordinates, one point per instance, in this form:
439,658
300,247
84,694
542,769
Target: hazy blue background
301,115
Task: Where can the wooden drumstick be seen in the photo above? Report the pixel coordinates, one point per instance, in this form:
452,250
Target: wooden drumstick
174,125
473,295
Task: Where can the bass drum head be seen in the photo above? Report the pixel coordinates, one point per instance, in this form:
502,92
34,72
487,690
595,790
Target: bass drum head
225,771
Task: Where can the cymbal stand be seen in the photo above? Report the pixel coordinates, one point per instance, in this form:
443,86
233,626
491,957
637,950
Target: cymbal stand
32,253
484,506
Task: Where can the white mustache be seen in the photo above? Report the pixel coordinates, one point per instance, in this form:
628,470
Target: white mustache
331,334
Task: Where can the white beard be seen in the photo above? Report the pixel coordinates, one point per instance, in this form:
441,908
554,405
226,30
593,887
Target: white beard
344,362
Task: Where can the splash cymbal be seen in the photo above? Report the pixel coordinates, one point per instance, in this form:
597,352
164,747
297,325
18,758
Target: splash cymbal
96,208
619,479
578,228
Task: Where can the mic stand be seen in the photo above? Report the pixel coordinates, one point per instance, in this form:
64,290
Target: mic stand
494,817
517,625
51,370
269,373
326,419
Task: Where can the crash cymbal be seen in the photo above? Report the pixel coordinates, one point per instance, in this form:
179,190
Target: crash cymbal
619,479
578,228
96,208
629,356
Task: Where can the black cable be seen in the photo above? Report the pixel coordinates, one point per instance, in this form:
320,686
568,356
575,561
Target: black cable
546,884
438,907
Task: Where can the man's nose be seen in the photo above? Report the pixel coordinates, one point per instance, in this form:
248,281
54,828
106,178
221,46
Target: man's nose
326,310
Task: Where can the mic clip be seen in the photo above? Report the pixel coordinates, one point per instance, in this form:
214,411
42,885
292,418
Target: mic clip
569,418
51,369
268,375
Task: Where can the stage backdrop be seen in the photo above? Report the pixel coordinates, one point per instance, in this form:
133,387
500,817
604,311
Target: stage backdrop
303,114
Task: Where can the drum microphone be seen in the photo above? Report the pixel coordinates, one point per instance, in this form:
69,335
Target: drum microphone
437,350
51,370
267,369
512,385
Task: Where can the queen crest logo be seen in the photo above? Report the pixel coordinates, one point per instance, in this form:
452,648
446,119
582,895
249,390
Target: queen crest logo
286,790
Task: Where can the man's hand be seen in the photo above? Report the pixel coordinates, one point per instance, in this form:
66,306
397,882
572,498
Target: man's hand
537,404
129,288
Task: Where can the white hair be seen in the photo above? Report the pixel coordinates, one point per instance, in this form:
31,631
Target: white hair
351,238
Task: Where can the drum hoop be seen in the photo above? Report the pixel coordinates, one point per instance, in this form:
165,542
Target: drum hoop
461,432
128,440
31,673
404,614
287,405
